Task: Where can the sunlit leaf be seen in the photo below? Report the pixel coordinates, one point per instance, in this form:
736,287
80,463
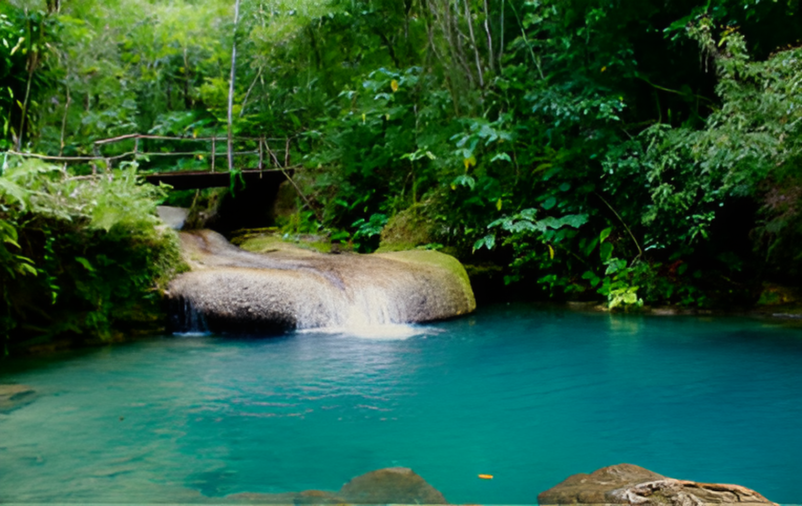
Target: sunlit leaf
469,162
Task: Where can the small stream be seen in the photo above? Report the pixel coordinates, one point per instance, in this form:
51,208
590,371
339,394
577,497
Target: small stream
528,394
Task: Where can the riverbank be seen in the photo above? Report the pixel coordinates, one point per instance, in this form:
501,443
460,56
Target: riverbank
774,303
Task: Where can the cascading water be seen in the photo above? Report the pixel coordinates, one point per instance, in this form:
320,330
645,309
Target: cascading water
356,308
185,318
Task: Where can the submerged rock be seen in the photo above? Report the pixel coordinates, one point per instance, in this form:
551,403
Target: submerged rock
306,497
630,484
15,396
287,287
394,485
398,485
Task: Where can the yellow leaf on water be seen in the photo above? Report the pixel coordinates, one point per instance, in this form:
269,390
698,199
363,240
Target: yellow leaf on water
551,252
453,187
603,68
498,205
394,85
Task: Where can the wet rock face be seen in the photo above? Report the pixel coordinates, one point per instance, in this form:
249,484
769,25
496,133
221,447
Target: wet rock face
15,396
230,289
630,484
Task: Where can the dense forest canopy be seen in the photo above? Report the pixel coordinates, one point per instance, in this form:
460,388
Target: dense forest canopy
637,150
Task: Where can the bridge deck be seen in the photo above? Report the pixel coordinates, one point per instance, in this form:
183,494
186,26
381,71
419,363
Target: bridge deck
205,179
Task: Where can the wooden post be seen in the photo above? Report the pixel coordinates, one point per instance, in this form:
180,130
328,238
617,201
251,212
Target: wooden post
261,157
96,154
214,144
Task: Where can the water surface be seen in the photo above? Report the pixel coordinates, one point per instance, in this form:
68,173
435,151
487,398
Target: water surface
529,395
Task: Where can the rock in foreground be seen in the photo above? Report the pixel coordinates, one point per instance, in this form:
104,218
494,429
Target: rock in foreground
286,287
630,484
399,485
394,485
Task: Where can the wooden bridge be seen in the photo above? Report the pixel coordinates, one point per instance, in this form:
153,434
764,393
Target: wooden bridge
258,160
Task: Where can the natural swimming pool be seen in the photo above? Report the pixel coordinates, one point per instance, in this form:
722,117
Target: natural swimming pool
530,395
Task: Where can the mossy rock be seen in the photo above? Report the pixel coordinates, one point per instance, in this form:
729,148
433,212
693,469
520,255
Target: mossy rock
274,241
408,229
775,295
440,262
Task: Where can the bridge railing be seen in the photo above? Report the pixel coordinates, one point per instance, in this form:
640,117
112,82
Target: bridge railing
255,153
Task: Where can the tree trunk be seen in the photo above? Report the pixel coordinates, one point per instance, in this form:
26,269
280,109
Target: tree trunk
231,90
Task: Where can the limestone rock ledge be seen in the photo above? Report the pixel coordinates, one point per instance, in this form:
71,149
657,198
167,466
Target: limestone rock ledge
283,288
634,485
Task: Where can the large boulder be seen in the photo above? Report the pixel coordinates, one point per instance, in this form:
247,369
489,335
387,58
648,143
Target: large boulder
634,485
286,287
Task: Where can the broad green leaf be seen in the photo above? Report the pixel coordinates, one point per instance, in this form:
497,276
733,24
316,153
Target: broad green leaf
83,261
606,251
501,156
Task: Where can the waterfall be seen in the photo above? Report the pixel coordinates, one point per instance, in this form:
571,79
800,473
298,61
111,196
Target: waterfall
185,318
232,290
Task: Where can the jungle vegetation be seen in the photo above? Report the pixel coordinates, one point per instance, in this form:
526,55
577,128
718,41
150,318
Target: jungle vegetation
632,151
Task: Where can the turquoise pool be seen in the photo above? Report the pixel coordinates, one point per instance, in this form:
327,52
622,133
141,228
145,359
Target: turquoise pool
530,395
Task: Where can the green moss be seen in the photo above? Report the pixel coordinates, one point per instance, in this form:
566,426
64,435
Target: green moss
265,243
774,295
438,260
408,229
397,246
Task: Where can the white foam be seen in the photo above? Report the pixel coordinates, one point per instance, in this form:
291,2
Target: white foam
192,333
388,332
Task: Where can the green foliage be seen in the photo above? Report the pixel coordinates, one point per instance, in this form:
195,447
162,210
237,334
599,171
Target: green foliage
748,149
25,75
628,150
366,237
78,255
